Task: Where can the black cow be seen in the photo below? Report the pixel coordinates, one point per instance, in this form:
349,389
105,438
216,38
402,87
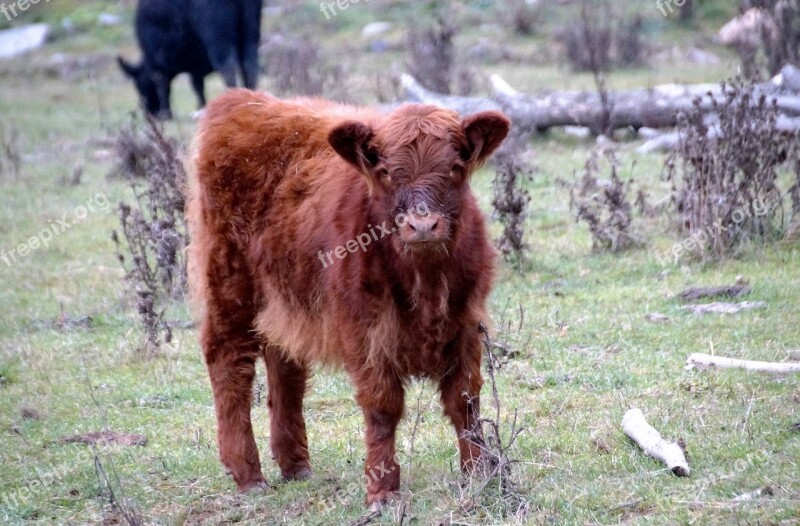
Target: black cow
195,37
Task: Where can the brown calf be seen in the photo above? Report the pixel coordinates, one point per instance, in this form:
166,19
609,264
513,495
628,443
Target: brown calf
335,234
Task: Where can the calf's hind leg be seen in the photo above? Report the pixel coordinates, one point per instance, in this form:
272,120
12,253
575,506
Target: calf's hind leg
287,382
231,351
231,367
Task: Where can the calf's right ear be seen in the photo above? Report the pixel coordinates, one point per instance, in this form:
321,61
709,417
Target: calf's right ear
128,68
352,141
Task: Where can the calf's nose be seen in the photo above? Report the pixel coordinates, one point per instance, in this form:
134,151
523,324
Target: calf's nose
425,228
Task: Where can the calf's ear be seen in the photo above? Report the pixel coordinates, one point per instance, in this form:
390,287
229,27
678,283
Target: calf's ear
128,68
484,132
351,140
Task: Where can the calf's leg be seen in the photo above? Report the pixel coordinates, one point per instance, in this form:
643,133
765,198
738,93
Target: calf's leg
460,391
380,395
231,351
287,383
231,367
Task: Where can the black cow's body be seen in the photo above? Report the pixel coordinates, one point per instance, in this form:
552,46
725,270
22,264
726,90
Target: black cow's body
195,37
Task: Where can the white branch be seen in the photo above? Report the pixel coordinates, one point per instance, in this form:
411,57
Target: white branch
501,86
647,438
721,307
701,361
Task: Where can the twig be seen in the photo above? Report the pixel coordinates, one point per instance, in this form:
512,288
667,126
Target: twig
131,516
495,445
417,420
17,431
747,414
366,519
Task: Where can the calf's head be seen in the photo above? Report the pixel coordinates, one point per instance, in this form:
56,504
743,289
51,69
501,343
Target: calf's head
146,82
417,164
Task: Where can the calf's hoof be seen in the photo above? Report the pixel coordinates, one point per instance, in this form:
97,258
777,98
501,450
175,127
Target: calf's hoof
300,474
379,500
255,486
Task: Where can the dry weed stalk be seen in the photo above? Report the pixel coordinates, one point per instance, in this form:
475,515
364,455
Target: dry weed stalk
510,202
496,437
154,236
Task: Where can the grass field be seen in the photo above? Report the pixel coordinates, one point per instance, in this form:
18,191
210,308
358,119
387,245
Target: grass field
585,349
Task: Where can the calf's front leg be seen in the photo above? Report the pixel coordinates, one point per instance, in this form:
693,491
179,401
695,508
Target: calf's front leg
380,395
460,390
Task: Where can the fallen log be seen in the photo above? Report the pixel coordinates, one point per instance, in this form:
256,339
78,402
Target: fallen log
647,438
656,108
702,361
656,141
700,293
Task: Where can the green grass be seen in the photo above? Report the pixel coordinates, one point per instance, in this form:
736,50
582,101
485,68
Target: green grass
586,352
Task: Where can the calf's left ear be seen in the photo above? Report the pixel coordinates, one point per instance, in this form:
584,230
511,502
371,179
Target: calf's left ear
484,132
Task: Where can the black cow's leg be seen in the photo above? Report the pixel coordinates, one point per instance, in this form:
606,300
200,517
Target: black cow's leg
199,85
223,59
249,65
248,47
163,91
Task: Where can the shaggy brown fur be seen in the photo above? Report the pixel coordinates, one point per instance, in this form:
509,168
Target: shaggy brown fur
276,187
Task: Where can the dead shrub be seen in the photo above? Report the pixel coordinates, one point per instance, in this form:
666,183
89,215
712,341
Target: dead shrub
510,198
432,53
523,17
10,152
296,66
387,87
595,42
587,41
604,205
766,36
630,46
726,175
134,151
786,48
154,236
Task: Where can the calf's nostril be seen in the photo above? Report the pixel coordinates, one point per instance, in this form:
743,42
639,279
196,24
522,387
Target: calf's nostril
411,226
435,224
